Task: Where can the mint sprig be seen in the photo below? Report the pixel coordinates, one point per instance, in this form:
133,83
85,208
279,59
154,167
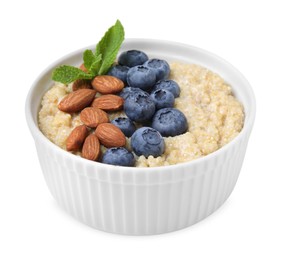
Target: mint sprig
97,62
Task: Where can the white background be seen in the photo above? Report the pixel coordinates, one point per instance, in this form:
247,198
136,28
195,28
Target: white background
249,34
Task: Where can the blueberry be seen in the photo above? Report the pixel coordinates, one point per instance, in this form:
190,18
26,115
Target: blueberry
132,58
127,91
162,98
118,156
141,77
125,125
119,72
147,141
160,67
170,85
139,107
170,122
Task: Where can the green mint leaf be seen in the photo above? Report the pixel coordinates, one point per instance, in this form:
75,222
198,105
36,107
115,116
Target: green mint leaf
67,74
88,59
109,46
95,66
97,62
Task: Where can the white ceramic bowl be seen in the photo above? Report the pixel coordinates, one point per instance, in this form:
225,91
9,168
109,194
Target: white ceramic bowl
143,201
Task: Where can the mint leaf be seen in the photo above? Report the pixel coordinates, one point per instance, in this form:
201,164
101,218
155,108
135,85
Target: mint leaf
97,62
88,59
67,74
109,46
95,66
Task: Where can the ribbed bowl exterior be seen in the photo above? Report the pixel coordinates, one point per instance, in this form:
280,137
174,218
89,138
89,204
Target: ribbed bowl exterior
139,201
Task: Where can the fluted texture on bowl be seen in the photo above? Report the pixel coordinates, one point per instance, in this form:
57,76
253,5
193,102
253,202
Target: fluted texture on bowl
141,204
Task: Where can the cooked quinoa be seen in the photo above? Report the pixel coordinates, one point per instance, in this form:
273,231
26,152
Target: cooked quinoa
214,116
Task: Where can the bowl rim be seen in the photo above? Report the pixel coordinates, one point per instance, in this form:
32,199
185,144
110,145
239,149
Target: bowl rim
38,135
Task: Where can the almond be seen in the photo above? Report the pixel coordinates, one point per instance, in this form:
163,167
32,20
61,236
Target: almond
110,135
106,84
81,83
108,102
92,116
76,138
83,68
77,100
91,148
